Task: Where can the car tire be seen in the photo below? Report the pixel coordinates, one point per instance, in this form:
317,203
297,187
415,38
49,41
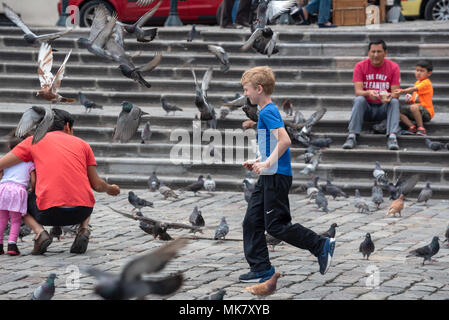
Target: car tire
87,11
439,8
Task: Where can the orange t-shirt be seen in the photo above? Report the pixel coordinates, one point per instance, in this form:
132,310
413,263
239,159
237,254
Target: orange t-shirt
61,162
424,94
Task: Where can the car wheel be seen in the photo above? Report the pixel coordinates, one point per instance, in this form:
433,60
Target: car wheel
437,10
87,12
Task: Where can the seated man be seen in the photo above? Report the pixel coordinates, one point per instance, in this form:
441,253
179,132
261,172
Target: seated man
65,176
374,80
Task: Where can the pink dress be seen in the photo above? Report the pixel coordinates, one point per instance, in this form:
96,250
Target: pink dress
13,187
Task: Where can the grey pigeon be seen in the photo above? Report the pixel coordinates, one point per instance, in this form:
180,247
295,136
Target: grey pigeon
360,203
221,55
56,232
334,191
38,118
222,230
45,291
426,252
196,219
251,111
321,142
331,232
169,107
263,40
377,195
207,112
446,235
196,186
312,166
272,241
29,36
127,122
321,201
167,192
157,230
136,28
88,104
71,230
379,174
130,283
367,246
215,296
425,194
287,107
138,203
312,120
153,182
403,186
146,228
434,145
193,33
209,184
146,133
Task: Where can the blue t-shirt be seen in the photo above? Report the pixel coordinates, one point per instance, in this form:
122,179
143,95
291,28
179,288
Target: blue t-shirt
269,119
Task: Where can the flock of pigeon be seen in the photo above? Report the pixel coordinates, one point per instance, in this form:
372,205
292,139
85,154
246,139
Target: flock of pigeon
106,40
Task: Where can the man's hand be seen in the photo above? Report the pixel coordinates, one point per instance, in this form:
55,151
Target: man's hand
398,91
260,166
113,190
373,95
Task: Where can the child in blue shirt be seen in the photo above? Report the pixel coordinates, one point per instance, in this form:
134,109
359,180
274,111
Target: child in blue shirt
268,208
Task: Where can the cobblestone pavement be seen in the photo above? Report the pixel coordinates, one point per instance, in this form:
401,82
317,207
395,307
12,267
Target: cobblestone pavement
208,264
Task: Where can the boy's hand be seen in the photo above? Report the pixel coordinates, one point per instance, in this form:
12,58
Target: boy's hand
113,190
248,164
260,166
398,91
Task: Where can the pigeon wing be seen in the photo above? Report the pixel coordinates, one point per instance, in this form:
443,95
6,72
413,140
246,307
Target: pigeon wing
271,44
60,74
256,35
101,15
16,19
152,262
43,126
284,7
409,184
206,81
128,124
53,36
152,64
30,118
44,64
143,19
315,117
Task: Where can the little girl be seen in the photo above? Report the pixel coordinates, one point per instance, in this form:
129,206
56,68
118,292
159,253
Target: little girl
13,198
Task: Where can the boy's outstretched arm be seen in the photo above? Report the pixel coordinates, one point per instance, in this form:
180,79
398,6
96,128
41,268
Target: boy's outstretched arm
284,142
407,90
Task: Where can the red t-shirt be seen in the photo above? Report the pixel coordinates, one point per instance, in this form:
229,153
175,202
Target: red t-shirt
61,162
377,78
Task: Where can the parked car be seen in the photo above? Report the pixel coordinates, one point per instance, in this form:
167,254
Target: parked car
428,9
189,11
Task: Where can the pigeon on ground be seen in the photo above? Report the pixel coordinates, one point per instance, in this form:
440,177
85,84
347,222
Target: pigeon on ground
146,133
367,246
321,142
146,228
56,232
193,33
209,184
312,166
287,107
45,291
153,182
425,194
196,219
427,252
335,191
136,28
167,192
40,118
380,127
127,122
396,206
169,107
88,104
434,145
24,231
221,55
138,203
29,36
377,195
215,296
331,232
160,231
379,174
130,284
321,201
360,203
222,229
266,288
196,186
71,230
272,241
50,83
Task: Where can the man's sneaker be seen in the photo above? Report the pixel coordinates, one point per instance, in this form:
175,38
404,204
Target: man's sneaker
260,277
12,249
421,131
325,257
392,143
350,143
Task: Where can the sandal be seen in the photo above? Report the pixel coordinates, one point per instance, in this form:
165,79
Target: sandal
421,131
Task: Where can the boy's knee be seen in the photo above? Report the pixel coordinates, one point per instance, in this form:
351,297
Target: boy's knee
414,107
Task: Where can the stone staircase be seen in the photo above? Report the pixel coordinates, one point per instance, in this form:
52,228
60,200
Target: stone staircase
313,68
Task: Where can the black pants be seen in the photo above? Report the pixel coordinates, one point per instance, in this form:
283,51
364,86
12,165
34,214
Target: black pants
269,209
243,12
56,216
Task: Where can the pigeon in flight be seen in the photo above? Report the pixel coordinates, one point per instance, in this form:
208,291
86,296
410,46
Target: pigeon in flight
50,84
426,252
45,291
136,28
379,174
206,110
222,229
29,36
367,246
221,55
40,118
88,104
130,284
127,122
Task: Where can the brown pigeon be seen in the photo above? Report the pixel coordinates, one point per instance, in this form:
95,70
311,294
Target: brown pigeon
266,288
396,206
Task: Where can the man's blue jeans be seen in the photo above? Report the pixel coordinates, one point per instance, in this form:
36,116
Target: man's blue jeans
323,7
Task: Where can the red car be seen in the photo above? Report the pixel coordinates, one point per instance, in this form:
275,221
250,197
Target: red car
189,11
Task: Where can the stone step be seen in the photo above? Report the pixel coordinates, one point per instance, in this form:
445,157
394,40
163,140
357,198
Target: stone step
121,84
296,48
241,60
310,75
